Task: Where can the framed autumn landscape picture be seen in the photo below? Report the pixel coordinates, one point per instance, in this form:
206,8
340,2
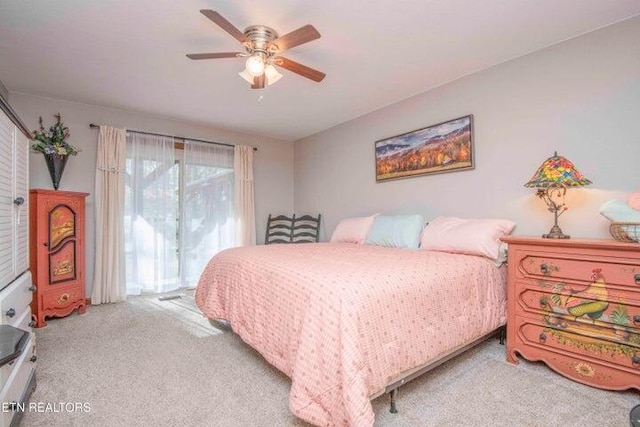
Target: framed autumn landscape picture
444,147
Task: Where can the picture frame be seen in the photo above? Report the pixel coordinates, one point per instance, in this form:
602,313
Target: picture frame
439,148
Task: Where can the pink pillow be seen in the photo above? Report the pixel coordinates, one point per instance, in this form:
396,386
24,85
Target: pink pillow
634,201
466,236
353,230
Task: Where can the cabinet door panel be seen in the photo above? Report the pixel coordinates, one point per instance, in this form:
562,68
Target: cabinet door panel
62,263
62,225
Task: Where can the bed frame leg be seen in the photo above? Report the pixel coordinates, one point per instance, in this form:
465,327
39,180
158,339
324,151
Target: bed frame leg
501,334
392,396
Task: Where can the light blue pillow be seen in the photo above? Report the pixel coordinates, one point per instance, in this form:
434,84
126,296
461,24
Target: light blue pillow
396,231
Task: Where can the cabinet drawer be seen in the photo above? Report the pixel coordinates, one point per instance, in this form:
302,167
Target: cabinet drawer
15,299
24,322
21,323
15,386
601,346
571,304
61,298
581,268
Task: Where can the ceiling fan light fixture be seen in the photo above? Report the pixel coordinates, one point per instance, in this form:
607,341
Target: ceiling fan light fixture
245,75
271,74
255,65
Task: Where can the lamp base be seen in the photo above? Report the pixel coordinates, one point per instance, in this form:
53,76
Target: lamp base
555,233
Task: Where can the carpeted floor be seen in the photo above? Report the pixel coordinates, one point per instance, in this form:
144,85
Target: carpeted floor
160,363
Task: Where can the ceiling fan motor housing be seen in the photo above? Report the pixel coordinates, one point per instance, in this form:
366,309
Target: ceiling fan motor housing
258,37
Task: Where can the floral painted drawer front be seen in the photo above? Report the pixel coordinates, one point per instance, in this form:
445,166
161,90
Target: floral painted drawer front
576,306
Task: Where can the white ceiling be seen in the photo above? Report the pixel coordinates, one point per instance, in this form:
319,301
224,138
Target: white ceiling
130,54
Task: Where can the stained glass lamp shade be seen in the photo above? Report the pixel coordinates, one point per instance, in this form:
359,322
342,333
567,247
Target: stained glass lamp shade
552,178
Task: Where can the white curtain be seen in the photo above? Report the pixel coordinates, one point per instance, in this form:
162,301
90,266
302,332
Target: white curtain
151,214
207,225
109,275
244,201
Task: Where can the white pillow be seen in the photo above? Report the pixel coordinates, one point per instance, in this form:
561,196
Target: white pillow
396,231
466,236
353,230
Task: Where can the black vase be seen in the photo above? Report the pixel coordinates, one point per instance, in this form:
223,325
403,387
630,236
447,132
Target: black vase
56,164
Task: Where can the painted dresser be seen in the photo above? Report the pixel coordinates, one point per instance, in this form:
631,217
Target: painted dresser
575,305
57,253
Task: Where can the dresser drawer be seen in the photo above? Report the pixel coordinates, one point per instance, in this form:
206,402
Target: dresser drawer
583,304
586,370
22,323
567,266
14,388
603,346
15,299
25,321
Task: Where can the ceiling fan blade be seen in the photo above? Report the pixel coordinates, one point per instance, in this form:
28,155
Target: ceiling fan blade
224,24
294,38
298,68
258,82
213,55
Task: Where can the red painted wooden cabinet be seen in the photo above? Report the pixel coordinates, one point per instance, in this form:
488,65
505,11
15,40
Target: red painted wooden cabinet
56,253
575,305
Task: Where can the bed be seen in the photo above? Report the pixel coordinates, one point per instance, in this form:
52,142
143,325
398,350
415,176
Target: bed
348,322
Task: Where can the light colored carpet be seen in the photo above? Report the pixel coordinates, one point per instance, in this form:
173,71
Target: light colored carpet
160,363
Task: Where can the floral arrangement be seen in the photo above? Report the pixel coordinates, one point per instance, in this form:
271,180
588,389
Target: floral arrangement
54,140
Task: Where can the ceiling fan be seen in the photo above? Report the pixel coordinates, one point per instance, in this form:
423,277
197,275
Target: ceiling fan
262,49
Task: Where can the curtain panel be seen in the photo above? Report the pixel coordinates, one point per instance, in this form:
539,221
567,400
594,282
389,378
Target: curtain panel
208,211
151,214
244,198
109,283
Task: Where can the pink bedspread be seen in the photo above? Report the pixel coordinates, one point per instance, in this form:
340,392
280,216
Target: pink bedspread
343,320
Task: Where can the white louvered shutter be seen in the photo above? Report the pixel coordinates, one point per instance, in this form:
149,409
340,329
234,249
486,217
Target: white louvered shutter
21,213
7,132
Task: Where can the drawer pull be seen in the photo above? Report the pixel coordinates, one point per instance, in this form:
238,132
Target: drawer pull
18,201
63,299
637,279
543,302
34,358
543,337
32,323
32,288
544,268
11,312
635,360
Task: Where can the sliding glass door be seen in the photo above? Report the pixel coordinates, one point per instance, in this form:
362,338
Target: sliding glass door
178,211
208,224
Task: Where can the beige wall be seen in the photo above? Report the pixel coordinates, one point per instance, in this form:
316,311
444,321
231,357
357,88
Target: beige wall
580,97
273,162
